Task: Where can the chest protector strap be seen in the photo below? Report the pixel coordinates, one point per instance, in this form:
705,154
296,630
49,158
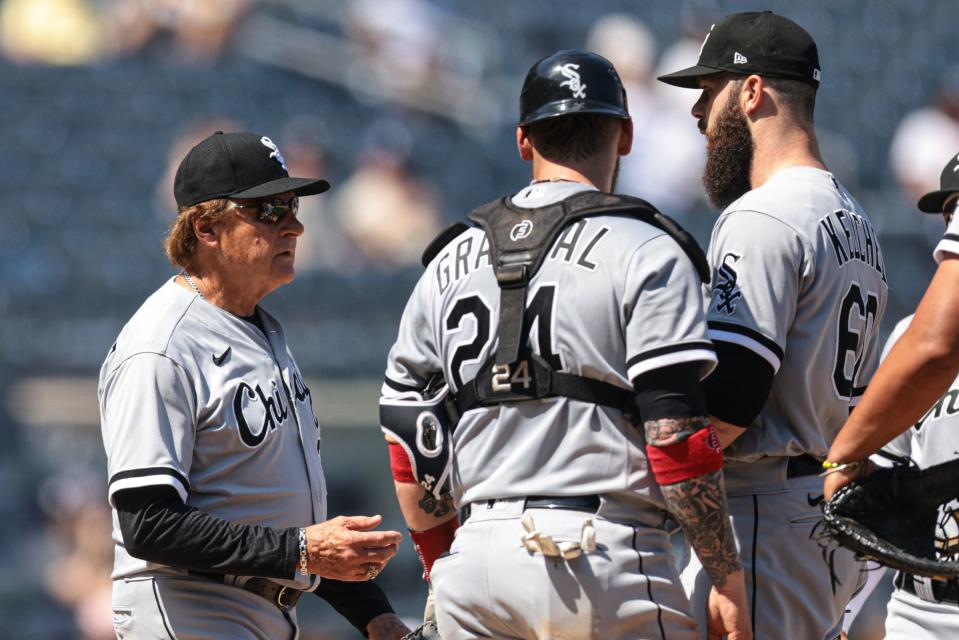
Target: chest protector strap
519,241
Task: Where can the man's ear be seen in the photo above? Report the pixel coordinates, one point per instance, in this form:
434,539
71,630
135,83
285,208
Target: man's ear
206,231
752,93
625,138
524,144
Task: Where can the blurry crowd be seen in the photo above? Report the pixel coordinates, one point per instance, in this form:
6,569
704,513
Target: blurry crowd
77,32
378,217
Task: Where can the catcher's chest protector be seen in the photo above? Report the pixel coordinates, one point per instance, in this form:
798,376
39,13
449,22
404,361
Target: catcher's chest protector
519,241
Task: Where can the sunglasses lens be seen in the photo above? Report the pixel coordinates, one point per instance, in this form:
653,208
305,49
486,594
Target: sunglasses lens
275,211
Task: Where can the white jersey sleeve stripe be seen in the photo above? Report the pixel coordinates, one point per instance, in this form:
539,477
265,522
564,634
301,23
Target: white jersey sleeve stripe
744,340
153,476
692,353
765,341
659,351
948,244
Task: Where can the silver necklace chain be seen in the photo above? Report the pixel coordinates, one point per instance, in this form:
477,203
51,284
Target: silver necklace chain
189,281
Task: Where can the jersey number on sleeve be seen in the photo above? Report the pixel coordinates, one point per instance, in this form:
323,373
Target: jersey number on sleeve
537,323
857,318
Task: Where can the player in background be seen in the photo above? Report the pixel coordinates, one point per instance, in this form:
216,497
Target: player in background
795,303
550,324
213,448
920,608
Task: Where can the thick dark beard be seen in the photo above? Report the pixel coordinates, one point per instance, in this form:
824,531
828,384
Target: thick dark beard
729,156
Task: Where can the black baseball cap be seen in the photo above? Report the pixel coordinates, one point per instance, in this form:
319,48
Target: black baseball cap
934,201
237,165
759,42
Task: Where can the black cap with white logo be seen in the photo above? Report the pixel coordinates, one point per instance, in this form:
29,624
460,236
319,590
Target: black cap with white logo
934,201
237,165
758,42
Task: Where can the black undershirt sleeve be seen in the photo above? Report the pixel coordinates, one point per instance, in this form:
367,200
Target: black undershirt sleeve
670,392
739,386
157,526
358,602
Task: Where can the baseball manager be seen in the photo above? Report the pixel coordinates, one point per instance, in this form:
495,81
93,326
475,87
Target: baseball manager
212,444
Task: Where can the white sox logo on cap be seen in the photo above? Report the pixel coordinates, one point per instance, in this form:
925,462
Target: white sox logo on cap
573,82
276,155
521,230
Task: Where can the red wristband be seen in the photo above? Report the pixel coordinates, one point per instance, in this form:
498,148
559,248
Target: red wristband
400,464
433,543
695,456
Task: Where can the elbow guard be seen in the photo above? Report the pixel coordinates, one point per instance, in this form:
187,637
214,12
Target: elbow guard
695,456
421,429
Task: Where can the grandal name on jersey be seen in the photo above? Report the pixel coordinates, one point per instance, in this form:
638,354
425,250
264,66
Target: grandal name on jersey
572,247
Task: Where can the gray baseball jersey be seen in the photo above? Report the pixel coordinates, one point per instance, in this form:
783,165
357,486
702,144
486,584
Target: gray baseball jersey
799,279
614,298
934,439
196,398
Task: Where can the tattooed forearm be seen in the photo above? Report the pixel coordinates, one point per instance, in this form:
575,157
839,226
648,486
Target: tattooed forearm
699,505
386,625
436,507
669,431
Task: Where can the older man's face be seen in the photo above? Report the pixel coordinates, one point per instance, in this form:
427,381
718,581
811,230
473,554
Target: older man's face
258,252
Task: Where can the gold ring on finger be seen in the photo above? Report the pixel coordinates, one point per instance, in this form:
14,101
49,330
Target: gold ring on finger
372,571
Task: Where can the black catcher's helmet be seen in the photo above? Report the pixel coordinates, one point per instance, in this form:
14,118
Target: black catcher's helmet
568,82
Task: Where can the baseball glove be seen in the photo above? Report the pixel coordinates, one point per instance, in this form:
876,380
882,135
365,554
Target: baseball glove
426,631
901,516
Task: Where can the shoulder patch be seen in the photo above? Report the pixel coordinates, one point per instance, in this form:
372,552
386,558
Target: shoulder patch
727,285
444,238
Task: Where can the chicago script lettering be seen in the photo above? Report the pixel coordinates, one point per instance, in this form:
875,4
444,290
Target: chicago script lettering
275,412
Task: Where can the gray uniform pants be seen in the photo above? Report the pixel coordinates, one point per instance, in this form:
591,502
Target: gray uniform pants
909,617
791,590
168,608
491,586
